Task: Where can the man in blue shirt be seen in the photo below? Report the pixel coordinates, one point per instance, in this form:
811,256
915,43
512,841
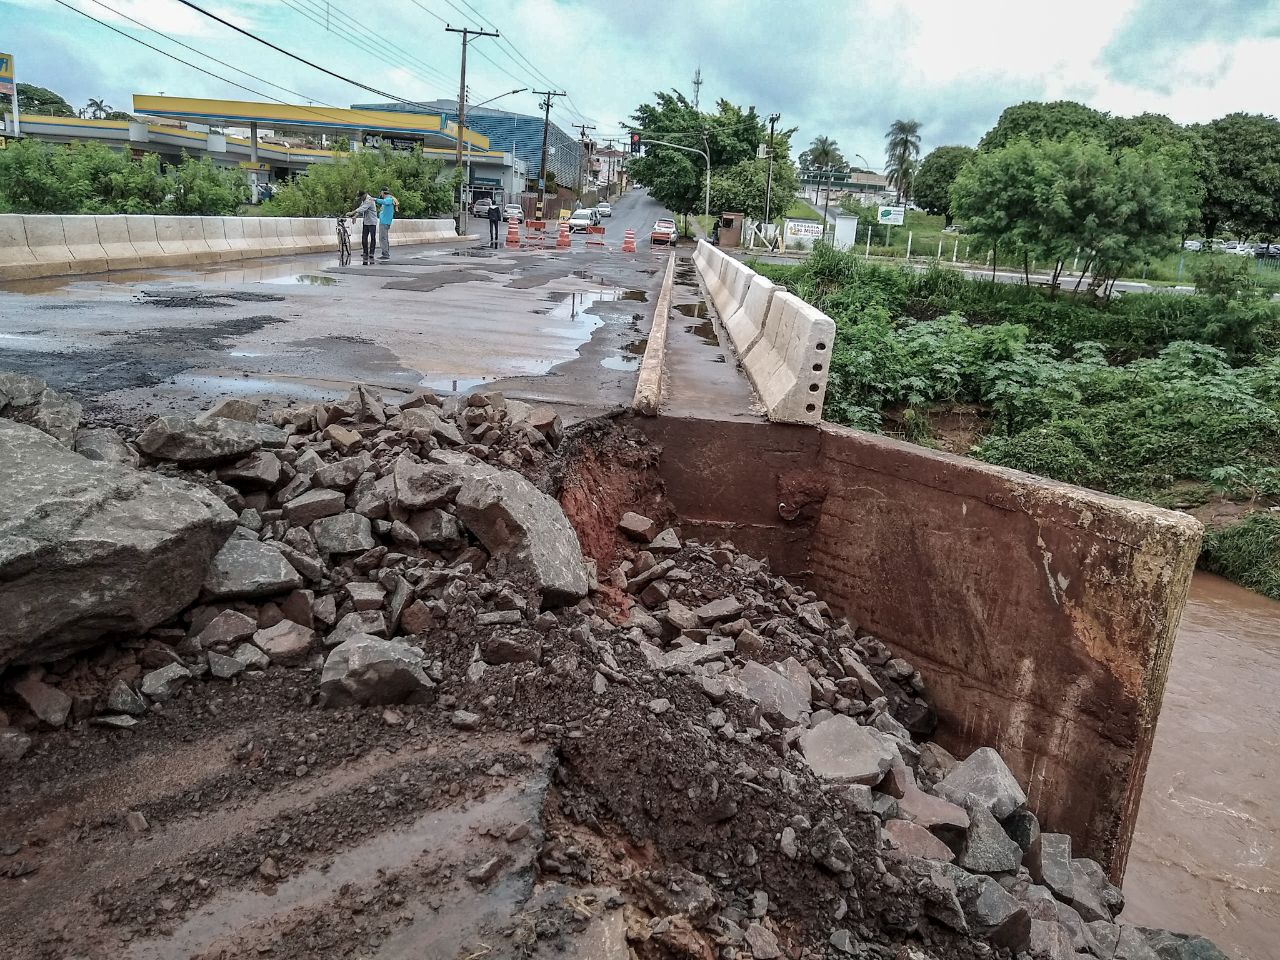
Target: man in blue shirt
387,206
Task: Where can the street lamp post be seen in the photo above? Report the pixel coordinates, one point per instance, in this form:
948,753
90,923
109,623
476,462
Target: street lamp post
466,184
706,204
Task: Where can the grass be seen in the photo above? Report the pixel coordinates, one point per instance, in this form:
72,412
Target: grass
1247,553
799,210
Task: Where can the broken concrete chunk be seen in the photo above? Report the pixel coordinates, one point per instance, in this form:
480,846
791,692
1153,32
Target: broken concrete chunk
249,568
49,704
305,509
992,912
258,471
665,542
164,684
228,627
90,548
367,670
515,520
345,533
726,608
782,696
251,657
421,485
983,778
839,748
198,443
1089,887
122,699
223,667
232,408
637,527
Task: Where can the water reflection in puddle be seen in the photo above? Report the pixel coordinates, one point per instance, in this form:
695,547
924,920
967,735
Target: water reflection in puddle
305,279
453,384
620,363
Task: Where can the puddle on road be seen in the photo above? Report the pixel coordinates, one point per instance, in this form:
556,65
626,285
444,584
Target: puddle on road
704,331
453,384
620,363
305,279
696,310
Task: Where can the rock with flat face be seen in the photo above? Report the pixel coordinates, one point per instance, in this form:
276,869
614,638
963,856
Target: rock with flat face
781,691
987,848
258,471
164,684
1049,863
227,628
232,408
983,778
343,534
993,912
56,414
839,748
287,643
516,521
195,443
306,509
419,486
638,527
105,446
18,390
367,670
49,704
249,568
915,841
1091,891
88,549
1181,946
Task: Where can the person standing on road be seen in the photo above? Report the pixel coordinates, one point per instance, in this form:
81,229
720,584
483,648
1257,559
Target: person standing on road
495,218
367,210
387,207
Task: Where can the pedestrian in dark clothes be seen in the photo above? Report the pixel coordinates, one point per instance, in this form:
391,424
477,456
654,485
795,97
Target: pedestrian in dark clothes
495,218
367,210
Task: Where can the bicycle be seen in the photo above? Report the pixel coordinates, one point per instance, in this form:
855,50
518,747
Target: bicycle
344,243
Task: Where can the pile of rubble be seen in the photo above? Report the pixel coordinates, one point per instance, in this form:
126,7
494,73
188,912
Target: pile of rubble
766,764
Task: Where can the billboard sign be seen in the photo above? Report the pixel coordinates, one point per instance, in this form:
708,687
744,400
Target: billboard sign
891,215
803,230
6,74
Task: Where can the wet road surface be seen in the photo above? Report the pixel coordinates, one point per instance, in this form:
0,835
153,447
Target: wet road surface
566,327
1204,858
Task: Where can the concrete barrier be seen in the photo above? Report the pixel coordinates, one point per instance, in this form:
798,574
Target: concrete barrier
746,324
16,260
790,361
142,234
48,244
1040,615
113,234
734,279
81,233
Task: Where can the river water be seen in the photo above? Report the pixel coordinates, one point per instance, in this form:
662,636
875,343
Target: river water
1205,857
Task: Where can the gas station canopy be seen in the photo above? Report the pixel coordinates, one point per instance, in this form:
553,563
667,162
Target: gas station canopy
433,130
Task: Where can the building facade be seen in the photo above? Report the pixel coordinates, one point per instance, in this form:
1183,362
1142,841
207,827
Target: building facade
515,133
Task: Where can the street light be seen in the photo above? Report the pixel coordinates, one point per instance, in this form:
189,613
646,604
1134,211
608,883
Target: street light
706,204
467,175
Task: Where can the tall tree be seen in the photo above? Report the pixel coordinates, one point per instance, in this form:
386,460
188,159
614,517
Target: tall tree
932,186
901,151
823,152
1046,121
38,100
97,109
1242,175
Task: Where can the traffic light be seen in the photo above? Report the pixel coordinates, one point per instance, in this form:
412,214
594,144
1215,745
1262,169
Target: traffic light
635,143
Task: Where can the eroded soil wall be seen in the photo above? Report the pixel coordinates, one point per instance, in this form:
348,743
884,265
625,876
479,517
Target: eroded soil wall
1042,615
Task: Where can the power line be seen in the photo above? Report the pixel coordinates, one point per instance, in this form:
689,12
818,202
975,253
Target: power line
267,43
392,51
174,40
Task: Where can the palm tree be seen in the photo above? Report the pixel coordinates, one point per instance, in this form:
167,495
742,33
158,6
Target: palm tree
902,149
823,152
97,109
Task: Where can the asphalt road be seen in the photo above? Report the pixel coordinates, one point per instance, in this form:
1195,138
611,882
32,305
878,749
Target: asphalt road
567,327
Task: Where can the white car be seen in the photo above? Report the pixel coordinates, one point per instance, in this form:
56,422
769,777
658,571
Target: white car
604,210
1239,249
579,220
1190,244
513,211
664,231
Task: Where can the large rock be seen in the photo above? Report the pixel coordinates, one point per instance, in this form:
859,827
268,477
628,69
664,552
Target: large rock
56,414
983,778
105,446
343,533
198,442
49,704
516,521
366,670
987,848
1049,863
17,390
915,841
993,912
422,485
839,748
249,568
1181,946
782,691
88,549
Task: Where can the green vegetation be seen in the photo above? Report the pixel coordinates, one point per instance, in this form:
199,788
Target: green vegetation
39,100
1169,398
1248,553
328,189
87,178
933,181
799,210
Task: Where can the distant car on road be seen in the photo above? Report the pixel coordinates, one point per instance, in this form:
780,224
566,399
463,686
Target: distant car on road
604,210
1191,244
481,207
513,211
579,220
1239,249
664,231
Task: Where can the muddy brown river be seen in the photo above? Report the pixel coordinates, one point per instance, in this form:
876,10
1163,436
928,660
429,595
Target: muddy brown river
1204,856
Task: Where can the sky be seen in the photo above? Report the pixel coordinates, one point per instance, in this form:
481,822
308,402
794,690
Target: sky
841,69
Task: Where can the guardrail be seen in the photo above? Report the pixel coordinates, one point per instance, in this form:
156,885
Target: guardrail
784,344
39,245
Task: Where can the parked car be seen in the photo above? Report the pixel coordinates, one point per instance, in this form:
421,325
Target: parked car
513,211
481,207
579,220
1191,245
1267,252
604,210
1240,249
664,231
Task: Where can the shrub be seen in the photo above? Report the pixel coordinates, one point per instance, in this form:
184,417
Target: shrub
328,189
1248,553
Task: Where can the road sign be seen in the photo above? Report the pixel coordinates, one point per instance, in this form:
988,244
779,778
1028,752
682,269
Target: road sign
893,216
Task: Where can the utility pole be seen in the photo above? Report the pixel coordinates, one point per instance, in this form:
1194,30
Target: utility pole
582,167
468,35
697,86
768,182
546,124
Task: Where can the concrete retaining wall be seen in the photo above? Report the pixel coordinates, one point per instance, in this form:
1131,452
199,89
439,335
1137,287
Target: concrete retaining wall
783,343
1041,615
53,246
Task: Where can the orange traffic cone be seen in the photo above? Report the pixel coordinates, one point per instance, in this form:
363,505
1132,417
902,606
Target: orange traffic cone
629,242
513,234
563,242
